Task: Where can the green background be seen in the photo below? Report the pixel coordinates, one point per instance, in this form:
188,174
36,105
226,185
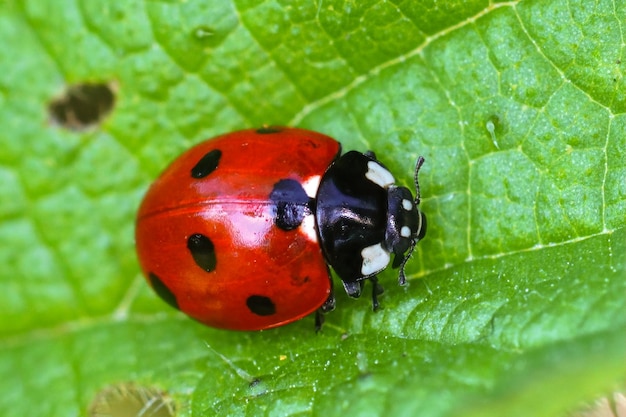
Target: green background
516,303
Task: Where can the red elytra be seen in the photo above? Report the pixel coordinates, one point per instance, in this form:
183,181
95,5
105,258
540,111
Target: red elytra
206,237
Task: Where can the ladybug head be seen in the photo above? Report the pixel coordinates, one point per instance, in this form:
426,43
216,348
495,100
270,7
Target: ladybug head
406,225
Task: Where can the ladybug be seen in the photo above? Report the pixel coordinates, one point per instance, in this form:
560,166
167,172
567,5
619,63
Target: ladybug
239,231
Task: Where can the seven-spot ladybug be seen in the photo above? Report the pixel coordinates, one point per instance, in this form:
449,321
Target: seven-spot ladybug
238,232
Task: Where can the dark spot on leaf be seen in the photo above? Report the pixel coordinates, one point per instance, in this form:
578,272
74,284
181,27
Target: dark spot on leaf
365,376
82,105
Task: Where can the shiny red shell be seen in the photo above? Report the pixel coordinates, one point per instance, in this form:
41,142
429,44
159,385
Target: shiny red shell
231,205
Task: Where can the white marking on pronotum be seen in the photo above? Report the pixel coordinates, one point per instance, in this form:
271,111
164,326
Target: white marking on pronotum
311,185
375,259
406,204
307,228
405,231
378,175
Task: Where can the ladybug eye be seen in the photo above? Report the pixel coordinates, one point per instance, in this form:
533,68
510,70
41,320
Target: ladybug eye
421,231
402,219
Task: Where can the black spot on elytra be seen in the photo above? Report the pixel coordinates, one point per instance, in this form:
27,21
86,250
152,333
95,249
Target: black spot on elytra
207,164
82,105
260,305
202,251
269,129
292,204
162,291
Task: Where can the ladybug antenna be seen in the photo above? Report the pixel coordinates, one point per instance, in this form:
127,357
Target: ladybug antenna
418,165
401,274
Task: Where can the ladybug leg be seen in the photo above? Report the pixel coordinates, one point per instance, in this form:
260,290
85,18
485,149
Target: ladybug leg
371,154
377,290
329,305
353,288
319,319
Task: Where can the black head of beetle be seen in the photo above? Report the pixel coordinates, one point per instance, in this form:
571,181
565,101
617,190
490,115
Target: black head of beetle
363,218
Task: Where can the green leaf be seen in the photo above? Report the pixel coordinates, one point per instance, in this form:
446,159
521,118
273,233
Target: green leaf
516,297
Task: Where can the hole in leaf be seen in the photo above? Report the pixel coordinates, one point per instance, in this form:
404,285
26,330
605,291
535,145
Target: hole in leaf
82,105
131,400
